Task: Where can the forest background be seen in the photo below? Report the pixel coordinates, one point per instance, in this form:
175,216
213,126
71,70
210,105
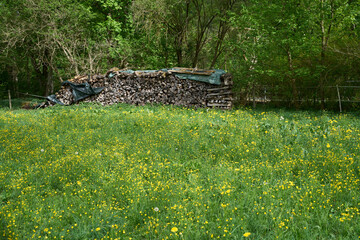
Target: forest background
298,53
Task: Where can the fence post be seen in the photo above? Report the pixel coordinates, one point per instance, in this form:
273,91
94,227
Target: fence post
338,92
253,95
9,99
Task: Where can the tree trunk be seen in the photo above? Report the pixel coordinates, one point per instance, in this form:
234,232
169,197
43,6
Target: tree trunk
322,62
253,94
293,80
180,36
221,36
203,25
325,36
28,74
49,83
42,71
322,81
15,80
179,41
222,32
44,79
179,57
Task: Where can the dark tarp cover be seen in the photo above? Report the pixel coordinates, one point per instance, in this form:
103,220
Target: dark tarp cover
82,90
214,78
53,99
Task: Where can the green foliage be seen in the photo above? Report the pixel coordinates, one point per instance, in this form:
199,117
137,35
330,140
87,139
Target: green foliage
290,46
151,172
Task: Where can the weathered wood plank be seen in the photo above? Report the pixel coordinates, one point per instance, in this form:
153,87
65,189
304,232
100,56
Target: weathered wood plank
189,72
217,89
218,105
194,69
219,94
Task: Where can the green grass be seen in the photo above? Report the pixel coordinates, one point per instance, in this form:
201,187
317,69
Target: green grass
126,172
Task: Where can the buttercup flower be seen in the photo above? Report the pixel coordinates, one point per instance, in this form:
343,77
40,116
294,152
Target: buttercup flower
247,234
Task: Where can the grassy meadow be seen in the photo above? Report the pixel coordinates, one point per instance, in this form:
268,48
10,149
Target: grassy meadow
163,172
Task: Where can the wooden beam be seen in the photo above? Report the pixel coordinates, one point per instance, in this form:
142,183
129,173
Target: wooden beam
9,99
218,94
193,69
219,104
192,73
217,89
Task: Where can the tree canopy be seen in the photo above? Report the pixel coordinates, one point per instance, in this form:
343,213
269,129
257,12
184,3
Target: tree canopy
287,47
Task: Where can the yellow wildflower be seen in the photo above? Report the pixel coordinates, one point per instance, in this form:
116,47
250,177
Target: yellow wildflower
247,234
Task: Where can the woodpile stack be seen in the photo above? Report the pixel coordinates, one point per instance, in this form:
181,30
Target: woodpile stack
162,87
221,96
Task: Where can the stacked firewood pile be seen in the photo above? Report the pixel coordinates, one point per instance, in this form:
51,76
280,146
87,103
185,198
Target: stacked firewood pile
220,96
141,87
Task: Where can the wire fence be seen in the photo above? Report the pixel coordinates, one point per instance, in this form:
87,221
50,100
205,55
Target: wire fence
335,97
331,96
32,95
9,97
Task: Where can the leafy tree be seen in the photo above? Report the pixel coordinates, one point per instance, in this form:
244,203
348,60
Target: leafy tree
189,29
287,46
291,42
37,30
61,39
